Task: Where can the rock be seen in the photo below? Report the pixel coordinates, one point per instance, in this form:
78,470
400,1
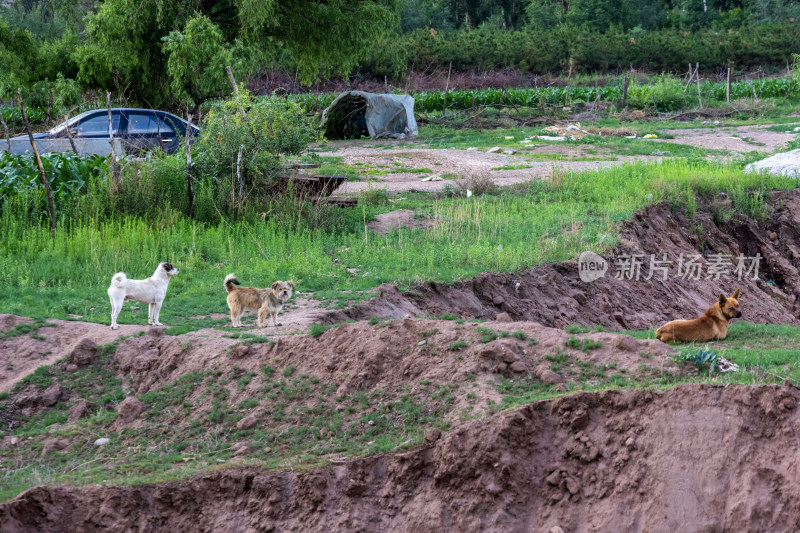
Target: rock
472,149
422,343
53,394
573,486
630,443
494,150
248,422
240,350
509,151
72,367
240,448
503,317
784,163
554,478
55,445
432,435
102,441
556,529
11,440
561,387
130,408
80,409
626,343
518,367
355,488
84,354
772,235
547,376
268,449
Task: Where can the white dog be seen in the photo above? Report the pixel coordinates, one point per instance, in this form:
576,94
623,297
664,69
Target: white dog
150,291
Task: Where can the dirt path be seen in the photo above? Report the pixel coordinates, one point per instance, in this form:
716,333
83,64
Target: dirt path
740,139
22,354
396,158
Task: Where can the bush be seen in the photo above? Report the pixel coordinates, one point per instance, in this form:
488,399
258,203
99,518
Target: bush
268,130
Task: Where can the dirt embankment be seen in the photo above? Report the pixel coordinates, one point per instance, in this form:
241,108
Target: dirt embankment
554,294
694,458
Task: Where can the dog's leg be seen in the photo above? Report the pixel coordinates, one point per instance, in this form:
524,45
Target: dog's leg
262,316
233,320
156,312
275,319
115,309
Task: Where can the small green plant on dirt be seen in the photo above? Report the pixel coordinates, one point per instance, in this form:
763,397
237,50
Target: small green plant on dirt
23,329
448,316
558,359
288,371
521,335
317,329
429,332
575,329
487,335
702,359
458,345
373,320
533,342
586,345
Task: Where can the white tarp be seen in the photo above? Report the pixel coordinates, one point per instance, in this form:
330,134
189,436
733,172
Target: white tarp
386,115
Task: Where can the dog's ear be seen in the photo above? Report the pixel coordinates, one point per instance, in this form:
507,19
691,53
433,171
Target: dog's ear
167,266
275,285
722,299
735,294
291,285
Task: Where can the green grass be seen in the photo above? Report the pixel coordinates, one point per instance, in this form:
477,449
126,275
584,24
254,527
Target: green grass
514,229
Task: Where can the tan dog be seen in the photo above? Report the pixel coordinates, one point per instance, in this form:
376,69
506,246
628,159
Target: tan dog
712,325
265,301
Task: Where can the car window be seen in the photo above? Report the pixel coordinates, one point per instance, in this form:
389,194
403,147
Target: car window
141,124
98,125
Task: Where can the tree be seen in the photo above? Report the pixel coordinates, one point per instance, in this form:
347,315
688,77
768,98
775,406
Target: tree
314,37
196,61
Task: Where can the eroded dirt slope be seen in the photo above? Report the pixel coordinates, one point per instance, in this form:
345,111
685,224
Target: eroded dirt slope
693,458
554,294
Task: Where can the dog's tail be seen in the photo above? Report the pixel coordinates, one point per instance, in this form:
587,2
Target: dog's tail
119,279
230,280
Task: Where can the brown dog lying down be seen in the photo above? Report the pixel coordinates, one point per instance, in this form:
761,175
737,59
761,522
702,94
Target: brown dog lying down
712,325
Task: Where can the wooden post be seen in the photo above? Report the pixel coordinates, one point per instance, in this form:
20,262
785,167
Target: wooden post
689,81
5,131
625,82
446,88
728,85
755,96
189,185
697,78
569,79
69,134
50,206
114,169
241,146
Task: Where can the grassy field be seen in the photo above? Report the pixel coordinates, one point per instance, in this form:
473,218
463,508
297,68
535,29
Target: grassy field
515,228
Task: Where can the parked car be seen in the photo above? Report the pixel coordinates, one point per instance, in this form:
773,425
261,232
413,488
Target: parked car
138,129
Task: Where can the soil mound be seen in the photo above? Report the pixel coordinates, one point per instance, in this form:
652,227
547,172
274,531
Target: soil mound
394,357
555,295
693,458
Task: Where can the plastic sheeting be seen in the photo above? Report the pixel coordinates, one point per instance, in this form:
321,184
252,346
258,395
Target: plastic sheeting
384,115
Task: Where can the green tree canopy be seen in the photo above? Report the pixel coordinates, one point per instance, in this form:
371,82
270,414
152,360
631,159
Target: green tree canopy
123,47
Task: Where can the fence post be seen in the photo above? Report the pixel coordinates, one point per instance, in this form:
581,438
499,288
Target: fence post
697,78
5,130
114,169
241,146
189,179
728,85
50,207
69,134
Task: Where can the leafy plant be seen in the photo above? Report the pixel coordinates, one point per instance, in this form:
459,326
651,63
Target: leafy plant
700,358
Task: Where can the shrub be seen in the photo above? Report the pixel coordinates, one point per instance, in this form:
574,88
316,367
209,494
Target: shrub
266,129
